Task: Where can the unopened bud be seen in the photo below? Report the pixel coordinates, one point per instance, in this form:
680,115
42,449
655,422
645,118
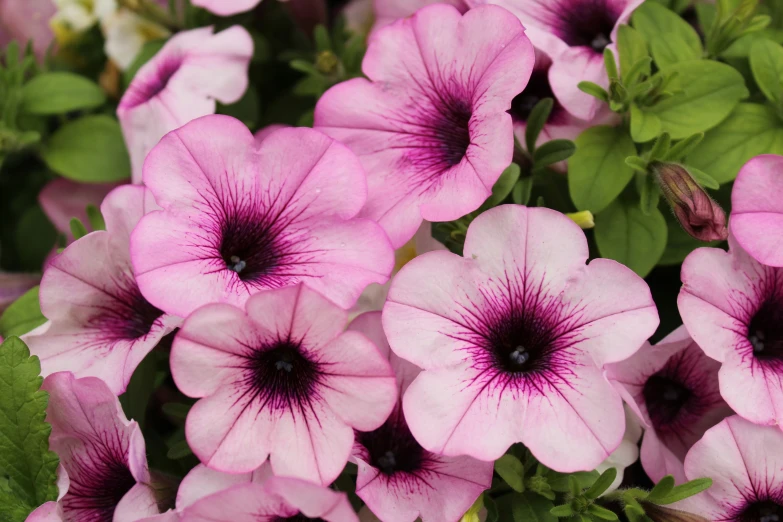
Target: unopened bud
584,219
326,62
697,212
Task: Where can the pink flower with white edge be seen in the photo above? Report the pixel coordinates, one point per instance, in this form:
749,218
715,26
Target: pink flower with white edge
103,464
240,217
757,209
673,388
99,323
574,33
430,125
398,479
62,200
513,338
226,7
389,11
732,306
277,499
280,380
744,461
182,82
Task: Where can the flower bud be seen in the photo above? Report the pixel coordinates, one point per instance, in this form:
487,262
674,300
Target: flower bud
584,219
697,212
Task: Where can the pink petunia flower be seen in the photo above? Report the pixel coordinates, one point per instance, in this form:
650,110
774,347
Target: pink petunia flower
99,323
181,83
744,461
241,216
27,20
279,380
226,7
398,479
14,285
513,337
733,308
430,125
389,11
757,209
574,33
673,388
103,464
62,200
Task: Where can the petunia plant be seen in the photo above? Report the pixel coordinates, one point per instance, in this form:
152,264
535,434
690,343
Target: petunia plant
391,260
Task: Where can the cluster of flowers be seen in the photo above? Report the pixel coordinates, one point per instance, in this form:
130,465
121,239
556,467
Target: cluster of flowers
253,252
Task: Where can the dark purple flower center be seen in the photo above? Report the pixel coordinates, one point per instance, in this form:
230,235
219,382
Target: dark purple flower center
537,89
248,244
587,23
97,486
282,376
129,316
762,511
665,397
392,448
453,131
521,344
765,331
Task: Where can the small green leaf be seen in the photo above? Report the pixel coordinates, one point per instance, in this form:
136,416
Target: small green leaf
323,41
77,228
594,90
522,190
536,121
22,315
25,459
633,49
503,186
179,450
682,148
637,164
750,130
95,218
529,507
552,152
560,481
176,410
706,93
704,179
511,470
661,147
661,489
562,511
597,170
645,126
90,149
766,62
671,38
60,92
686,490
601,512
602,484
492,509
624,233
649,193
610,64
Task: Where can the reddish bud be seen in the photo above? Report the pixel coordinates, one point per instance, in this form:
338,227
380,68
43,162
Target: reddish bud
697,212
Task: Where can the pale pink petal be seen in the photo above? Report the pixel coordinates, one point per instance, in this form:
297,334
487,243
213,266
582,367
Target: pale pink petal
48,512
226,7
138,502
62,200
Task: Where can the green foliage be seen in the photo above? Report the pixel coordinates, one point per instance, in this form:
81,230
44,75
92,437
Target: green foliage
766,62
671,38
60,92
529,507
512,471
26,464
22,315
90,149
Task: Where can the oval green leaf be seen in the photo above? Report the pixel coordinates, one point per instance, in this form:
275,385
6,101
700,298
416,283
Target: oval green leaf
671,38
766,63
60,92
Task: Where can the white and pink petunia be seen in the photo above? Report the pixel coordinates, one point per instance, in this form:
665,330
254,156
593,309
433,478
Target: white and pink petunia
279,379
183,81
733,308
103,472
241,216
744,461
574,33
389,11
430,125
673,388
226,7
62,200
100,325
513,338
757,209
398,479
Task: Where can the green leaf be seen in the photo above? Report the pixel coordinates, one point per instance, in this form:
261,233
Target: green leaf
610,64
594,90
624,233
597,171
632,48
522,190
645,126
661,489
22,315
60,92
530,507
750,130
25,458
671,38
95,217
766,62
684,147
179,450
602,484
34,237
560,481
601,512
552,152
492,509
649,193
146,53
90,149
511,470
706,93
536,121
686,490
562,511
637,164
704,179
503,186
77,228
